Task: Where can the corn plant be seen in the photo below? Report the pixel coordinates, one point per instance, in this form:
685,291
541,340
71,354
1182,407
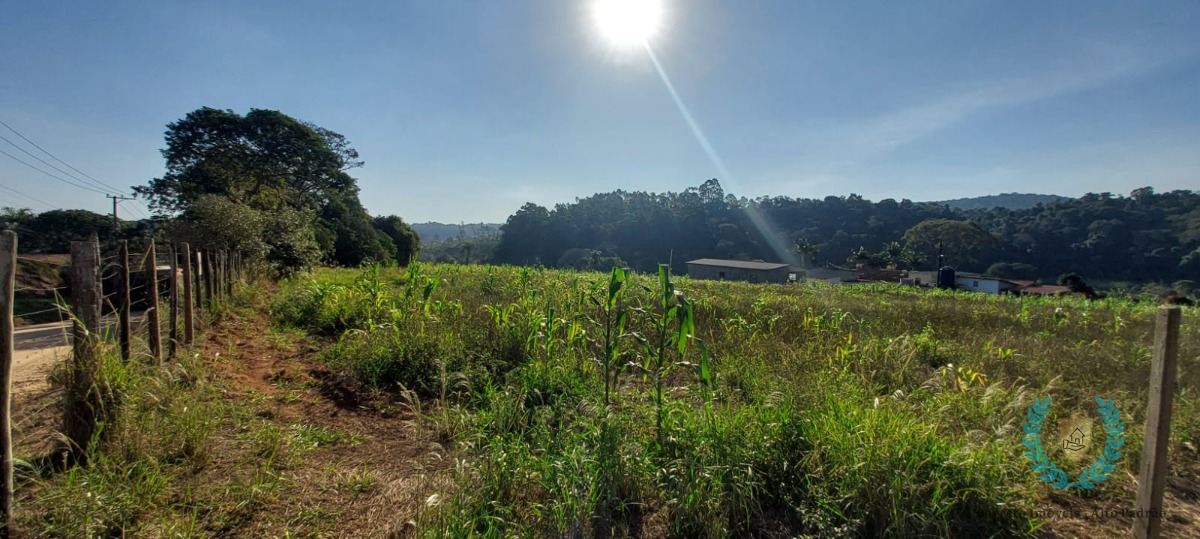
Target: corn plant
370,285
614,315
544,329
673,325
431,286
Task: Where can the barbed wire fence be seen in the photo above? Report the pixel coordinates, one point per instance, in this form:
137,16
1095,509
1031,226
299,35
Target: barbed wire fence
121,290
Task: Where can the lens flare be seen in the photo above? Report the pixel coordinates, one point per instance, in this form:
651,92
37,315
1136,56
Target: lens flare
760,221
628,22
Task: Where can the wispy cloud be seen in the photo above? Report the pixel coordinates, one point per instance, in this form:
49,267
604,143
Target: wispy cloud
871,137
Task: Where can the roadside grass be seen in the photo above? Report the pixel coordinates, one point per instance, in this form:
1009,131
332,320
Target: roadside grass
174,457
861,410
152,470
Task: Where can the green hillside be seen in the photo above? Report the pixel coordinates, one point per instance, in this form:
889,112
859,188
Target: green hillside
433,232
1008,201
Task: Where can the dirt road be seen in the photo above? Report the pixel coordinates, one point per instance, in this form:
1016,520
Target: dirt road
36,349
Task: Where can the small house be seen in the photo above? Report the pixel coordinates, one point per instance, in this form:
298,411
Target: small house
737,270
975,282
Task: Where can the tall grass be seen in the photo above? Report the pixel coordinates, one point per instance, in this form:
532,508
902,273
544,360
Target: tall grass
860,410
158,466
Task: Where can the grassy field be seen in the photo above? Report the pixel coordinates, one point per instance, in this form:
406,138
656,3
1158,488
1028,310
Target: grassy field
455,401
611,404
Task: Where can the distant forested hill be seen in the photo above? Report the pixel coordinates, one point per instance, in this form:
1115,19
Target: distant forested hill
436,232
1008,201
1146,236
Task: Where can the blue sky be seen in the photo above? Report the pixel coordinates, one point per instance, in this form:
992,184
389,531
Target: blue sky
463,111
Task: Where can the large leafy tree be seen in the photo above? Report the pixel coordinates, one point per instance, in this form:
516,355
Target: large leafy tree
523,236
275,164
405,243
350,237
964,243
265,159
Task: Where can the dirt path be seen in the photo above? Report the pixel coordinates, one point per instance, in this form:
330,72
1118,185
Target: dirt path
371,482
369,486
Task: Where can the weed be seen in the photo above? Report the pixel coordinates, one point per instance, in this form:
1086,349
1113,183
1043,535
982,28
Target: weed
854,410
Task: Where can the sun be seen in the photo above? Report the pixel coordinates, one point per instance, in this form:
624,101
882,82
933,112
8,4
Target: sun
627,23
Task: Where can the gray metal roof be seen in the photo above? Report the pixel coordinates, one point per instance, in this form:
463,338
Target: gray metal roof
741,264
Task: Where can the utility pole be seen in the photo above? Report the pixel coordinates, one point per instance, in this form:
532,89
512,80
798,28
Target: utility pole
116,199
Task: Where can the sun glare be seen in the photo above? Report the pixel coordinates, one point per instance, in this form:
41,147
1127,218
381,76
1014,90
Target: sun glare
628,22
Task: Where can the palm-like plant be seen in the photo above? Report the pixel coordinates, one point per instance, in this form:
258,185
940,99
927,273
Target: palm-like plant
892,254
865,258
913,258
808,250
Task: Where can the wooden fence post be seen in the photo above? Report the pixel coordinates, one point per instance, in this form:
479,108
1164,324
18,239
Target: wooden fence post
219,272
227,270
218,286
173,317
125,332
81,402
189,303
152,318
8,285
1147,523
198,270
209,276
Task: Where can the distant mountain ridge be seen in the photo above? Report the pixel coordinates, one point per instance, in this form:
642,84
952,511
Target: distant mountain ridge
1012,201
433,232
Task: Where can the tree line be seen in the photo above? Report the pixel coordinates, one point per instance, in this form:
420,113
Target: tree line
1146,236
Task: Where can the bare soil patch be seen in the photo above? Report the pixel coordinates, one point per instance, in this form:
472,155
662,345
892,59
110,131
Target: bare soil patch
371,482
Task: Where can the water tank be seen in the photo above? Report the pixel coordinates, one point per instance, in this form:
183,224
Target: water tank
945,277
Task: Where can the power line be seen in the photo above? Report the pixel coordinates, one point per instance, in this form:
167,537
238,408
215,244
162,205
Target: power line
35,199
136,209
44,162
68,165
93,183
68,182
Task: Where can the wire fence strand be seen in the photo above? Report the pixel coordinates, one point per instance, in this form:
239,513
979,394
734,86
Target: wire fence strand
33,289
28,259
43,311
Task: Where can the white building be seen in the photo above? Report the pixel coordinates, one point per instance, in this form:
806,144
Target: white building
974,282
